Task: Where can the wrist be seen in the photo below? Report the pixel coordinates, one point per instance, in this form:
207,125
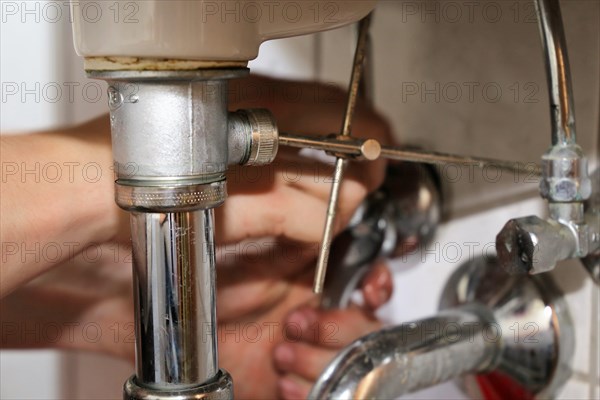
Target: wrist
90,208
56,200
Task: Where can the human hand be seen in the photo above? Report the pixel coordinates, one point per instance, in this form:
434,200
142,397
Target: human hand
88,306
279,352
74,210
292,194
287,214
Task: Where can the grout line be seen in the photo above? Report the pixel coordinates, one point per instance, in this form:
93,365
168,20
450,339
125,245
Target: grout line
594,342
580,376
317,56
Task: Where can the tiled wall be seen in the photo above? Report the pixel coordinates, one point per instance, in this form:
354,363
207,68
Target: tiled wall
421,54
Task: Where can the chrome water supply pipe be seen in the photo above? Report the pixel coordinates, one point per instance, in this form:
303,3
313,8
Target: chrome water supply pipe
532,245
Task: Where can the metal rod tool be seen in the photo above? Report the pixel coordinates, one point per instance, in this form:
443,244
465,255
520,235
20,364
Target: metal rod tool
371,149
340,162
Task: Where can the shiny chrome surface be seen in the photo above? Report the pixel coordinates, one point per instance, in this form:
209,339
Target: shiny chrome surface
406,209
173,139
174,290
353,251
259,129
170,198
405,358
169,130
340,163
204,74
170,141
592,216
565,175
557,71
537,332
533,245
514,333
418,205
220,388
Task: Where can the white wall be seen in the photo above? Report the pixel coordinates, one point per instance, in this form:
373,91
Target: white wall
43,87
410,49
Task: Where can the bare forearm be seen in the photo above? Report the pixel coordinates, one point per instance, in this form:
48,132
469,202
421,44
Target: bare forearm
57,198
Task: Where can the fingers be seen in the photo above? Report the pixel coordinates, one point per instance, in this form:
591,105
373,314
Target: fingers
316,109
293,387
326,118
332,328
292,101
377,286
302,359
337,328
282,212
288,199
81,305
252,277
313,109
319,337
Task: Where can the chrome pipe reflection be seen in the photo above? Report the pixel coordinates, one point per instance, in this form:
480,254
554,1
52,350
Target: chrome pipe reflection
405,358
510,336
558,71
565,182
174,291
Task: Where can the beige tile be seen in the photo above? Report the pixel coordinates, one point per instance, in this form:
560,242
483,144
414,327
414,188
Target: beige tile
574,390
577,287
414,55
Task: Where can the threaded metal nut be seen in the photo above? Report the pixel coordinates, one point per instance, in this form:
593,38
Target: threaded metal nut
170,198
264,137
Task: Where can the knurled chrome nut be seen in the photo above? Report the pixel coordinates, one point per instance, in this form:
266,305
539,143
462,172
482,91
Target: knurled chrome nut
264,137
170,198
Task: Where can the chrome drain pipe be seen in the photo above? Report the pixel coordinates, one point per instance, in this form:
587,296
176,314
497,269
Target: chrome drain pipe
174,289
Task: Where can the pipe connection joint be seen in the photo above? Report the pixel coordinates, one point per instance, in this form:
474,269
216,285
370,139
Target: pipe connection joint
173,141
532,245
252,140
565,175
253,137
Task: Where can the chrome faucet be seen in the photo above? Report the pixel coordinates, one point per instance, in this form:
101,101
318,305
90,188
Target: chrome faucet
384,225
492,325
530,244
481,297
